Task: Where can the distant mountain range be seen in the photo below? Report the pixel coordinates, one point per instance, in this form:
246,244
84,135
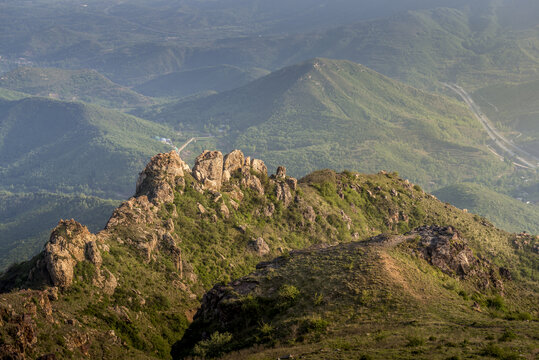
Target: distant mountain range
72,85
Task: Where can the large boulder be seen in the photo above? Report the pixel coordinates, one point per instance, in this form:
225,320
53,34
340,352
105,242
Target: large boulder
159,178
67,246
232,162
259,166
259,246
208,170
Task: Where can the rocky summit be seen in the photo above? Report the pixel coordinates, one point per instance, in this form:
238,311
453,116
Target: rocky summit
335,265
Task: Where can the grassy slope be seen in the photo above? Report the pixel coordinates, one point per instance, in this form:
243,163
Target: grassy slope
82,85
215,249
337,114
504,211
26,220
357,302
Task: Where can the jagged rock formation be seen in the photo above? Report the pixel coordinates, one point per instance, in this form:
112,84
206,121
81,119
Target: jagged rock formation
184,231
159,178
208,169
445,248
69,244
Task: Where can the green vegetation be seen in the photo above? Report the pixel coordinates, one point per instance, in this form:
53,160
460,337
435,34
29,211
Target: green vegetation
514,109
27,220
330,297
63,160
66,147
505,212
337,114
72,85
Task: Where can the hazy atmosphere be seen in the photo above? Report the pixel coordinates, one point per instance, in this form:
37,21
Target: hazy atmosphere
378,160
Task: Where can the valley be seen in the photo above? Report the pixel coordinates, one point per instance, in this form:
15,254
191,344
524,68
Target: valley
240,179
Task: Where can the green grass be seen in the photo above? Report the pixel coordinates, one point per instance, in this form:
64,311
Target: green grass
504,211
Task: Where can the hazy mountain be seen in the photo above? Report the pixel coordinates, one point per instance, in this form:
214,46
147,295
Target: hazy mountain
73,85
337,114
514,109
190,82
53,155
26,220
65,146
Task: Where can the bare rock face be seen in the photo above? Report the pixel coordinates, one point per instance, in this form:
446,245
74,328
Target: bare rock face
281,172
232,162
444,248
253,182
259,166
66,247
208,170
282,192
93,254
259,246
137,210
168,244
159,178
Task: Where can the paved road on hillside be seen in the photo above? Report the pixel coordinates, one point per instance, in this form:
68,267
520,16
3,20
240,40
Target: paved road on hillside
187,143
500,140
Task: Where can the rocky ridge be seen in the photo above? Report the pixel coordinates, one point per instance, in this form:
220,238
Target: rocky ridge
131,290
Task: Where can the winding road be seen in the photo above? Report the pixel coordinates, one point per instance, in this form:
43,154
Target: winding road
527,160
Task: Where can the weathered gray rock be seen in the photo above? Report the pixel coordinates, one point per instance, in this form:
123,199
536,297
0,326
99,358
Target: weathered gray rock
225,212
159,178
259,166
137,210
259,246
208,170
93,254
253,182
282,192
444,248
292,183
281,172
66,247
231,163
269,210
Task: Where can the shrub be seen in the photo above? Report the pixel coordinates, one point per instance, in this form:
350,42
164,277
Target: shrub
288,293
508,335
495,351
414,341
215,346
496,303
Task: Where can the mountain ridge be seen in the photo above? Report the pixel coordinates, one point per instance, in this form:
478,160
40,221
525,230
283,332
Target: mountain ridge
187,229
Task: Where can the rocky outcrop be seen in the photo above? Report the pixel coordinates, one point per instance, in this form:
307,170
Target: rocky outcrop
137,210
160,177
444,248
208,170
259,166
284,185
232,162
68,246
259,246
